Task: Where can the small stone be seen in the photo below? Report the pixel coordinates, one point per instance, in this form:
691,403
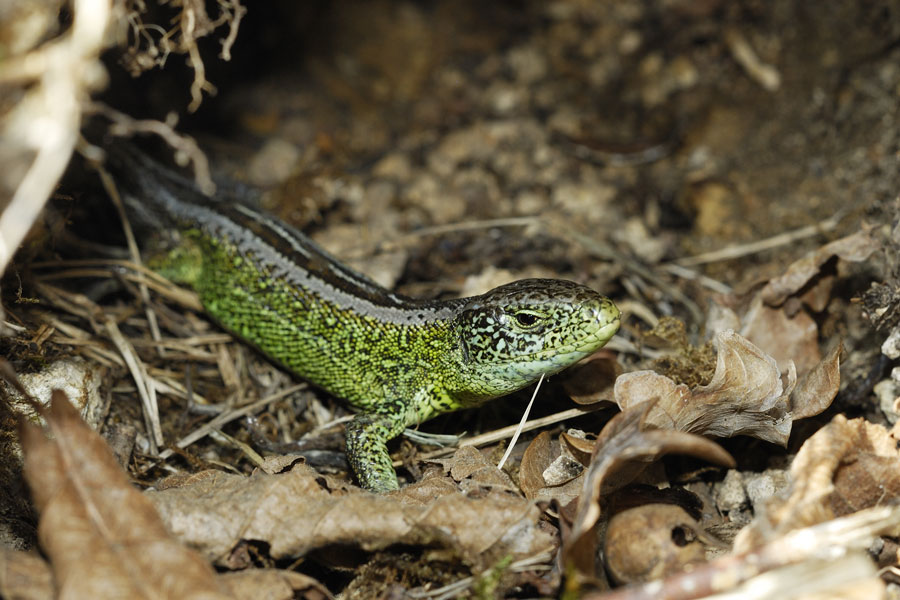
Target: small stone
504,98
583,198
730,494
394,166
527,64
562,470
762,486
891,346
274,163
886,392
78,379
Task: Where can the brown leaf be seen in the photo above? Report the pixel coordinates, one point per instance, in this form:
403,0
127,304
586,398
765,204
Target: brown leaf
25,576
103,537
785,338
580,447
817,389
273,584
551,471
652,541
591,381
844,467
471,468
538,456
745,397
854,248
300,510
624,447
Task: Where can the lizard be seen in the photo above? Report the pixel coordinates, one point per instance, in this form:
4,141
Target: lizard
396,360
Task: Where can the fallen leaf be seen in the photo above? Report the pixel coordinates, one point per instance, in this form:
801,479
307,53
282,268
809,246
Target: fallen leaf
537,457
578,445
652,541
102,536
273,584
844,467
625,446
817,389
591,381
300,510
551,470
25,576
854,248
827,560
745,397
787,339
470,467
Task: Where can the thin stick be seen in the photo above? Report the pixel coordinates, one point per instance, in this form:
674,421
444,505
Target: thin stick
135,272
505,432
707,282
782,239
228,417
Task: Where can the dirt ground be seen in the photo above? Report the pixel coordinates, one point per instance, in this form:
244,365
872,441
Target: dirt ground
726,172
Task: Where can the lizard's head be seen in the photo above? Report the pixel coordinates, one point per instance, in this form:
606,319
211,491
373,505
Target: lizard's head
511,335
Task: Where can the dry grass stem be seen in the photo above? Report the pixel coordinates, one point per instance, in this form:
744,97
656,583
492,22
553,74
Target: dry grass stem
146,389
518,431
503,433
782,239
225,418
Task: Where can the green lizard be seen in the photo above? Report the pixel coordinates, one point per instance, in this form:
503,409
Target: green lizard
396,360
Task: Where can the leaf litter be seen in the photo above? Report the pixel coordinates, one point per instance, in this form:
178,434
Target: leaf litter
102,537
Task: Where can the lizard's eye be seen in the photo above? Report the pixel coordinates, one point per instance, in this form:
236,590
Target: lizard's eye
526,319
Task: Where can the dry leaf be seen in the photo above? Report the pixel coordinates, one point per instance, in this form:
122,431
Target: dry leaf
578,445
591,381
552,471
785,338
25,576
854,248
273,584
844,467
824,558
102,536
300,510
471,468
538,456
652,541
817,389
745,397
623,449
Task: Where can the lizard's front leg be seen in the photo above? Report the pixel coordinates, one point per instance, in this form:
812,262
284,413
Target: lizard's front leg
367,453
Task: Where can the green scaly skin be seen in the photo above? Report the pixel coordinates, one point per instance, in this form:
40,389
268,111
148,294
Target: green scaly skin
396,360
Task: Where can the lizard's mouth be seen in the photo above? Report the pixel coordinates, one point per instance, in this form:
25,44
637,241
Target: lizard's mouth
601,336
